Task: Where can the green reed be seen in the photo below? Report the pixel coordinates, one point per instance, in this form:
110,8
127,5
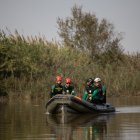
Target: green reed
28,65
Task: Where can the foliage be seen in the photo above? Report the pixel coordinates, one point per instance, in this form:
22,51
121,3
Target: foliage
28,65
85,32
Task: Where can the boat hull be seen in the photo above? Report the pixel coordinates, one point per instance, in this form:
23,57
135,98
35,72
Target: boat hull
72,104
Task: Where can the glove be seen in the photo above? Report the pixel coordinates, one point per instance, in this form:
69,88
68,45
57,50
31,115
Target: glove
90,98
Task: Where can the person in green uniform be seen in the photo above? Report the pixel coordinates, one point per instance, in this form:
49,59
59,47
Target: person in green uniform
89,87
57,88
99,93
68,88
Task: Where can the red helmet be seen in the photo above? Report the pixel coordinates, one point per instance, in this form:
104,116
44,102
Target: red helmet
68,81
58,78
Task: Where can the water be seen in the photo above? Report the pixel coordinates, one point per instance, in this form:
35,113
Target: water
29,121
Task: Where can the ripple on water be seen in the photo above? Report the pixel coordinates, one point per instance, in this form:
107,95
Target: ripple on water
128,109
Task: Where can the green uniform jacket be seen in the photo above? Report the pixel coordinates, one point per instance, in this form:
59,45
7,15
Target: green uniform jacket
99,93
69,90
88,92
56,89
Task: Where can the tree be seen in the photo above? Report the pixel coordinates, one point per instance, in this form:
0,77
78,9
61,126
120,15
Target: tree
85,32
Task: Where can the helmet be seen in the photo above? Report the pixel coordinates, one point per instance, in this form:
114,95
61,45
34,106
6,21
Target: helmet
58,78
97,80
68,81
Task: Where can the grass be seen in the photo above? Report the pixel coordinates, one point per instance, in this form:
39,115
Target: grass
29,65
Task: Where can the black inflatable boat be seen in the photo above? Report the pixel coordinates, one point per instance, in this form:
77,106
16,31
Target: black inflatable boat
73,104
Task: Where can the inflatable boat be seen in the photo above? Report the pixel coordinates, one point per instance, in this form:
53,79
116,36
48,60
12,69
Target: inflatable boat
73,104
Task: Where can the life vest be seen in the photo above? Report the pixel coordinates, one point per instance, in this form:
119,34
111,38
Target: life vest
58,89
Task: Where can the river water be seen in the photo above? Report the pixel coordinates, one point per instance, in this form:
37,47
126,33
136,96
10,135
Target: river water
29,121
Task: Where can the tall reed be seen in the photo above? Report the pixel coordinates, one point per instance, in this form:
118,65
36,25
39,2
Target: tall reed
29,66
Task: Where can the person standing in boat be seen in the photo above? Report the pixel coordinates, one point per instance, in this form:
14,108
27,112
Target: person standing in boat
68,88
89,87
99,93
57,88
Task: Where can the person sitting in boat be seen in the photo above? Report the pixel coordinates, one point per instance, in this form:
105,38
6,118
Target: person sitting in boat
57,88
99,93
68,88
89,87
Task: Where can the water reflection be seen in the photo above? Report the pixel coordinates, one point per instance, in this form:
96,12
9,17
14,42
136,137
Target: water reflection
83,127
28,121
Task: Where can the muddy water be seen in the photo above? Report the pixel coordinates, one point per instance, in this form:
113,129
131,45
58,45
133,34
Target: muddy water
29,121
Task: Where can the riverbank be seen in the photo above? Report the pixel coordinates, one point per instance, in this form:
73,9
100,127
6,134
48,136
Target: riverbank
30,65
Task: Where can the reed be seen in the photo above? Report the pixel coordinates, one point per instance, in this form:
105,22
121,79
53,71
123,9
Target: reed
29,66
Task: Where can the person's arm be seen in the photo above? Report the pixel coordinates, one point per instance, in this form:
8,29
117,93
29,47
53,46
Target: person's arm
104,94
52,91
104,90
73,91
64,90
85,95
94,94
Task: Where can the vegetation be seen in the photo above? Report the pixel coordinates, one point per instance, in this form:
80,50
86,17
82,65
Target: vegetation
89,48
85,32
